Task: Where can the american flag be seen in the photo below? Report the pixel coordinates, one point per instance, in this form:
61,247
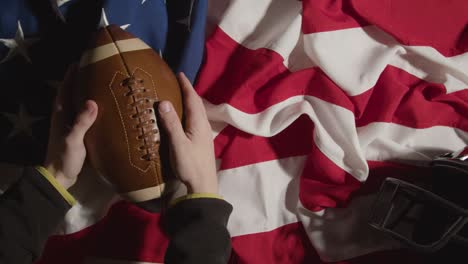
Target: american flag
312,104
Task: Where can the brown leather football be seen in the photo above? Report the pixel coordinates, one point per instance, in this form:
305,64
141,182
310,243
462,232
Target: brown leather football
126,77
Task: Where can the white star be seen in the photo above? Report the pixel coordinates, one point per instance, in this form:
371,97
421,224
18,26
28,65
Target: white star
187,21
124,27
105,22
184,21
17,45
143,1
22,122
61,2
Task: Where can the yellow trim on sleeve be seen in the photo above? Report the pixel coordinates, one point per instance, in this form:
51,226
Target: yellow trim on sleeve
195,196
65,194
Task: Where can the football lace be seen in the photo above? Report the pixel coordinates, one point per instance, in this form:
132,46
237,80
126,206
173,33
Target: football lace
136,86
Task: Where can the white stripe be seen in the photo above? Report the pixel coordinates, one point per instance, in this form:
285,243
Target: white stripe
343,233
94,197
264,195
61,2
274,25
335,133
353,58
392,142
263,21
337,137
269,200
108,50
217,127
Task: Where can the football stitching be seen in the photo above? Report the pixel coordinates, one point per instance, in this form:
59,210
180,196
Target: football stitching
159,177
123,122
152,81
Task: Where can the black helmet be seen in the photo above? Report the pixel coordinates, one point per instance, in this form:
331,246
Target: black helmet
427,218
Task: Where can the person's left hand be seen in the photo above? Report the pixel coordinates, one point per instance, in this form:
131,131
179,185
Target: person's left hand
66,152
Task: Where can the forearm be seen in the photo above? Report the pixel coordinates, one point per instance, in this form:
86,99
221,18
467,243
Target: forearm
30,211
197,231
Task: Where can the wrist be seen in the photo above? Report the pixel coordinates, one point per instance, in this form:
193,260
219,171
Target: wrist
202,188
60,177
65,182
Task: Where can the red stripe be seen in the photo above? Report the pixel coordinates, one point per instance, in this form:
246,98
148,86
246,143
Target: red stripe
323,184
231,144
327,15
253,80
126,232
288,244
401,98
439,24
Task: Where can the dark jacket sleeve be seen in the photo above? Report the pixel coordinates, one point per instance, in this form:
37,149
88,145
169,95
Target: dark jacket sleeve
197,232
30,210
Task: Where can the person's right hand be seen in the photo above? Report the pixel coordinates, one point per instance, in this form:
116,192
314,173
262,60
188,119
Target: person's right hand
192,150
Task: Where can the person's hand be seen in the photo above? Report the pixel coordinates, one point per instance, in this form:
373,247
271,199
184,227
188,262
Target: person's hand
66,152
192,150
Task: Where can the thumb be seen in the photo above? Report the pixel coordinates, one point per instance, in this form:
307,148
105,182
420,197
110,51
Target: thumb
84,120
171,123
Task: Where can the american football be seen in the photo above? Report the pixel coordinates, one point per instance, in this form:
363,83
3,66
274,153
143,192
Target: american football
126,78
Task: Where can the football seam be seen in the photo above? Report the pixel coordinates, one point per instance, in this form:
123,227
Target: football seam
123,122
114,42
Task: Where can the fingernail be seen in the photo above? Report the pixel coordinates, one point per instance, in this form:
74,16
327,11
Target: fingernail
164,107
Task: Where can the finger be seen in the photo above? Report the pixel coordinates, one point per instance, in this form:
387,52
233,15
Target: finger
171,123
84,120
194,109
